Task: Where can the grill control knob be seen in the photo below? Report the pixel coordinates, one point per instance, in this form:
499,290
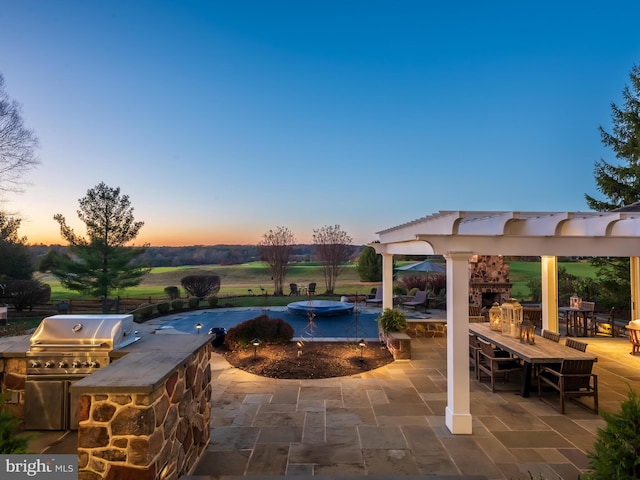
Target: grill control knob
62,364
35,364
75,364
48,364
94,364
85,364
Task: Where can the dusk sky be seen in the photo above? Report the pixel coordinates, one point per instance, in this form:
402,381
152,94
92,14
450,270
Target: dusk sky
224,119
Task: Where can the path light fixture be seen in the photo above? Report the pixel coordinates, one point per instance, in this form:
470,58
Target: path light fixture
495,317
362,344
255,342
198,327
299,344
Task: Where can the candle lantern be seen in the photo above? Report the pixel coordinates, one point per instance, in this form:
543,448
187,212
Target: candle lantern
527,332
495,317
511,317
575,301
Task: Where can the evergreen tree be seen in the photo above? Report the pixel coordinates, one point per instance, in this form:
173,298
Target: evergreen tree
620,184
15,262
102,261
370,265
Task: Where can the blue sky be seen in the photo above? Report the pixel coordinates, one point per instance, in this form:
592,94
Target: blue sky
222,120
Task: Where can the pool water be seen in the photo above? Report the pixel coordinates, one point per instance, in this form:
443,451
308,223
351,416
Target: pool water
344,327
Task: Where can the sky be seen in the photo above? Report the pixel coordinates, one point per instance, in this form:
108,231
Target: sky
222,120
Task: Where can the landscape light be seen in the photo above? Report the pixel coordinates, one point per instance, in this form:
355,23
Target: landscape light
198,326
299,344
255,342
362,344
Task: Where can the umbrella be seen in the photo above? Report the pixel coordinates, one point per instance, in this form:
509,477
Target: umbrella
425,266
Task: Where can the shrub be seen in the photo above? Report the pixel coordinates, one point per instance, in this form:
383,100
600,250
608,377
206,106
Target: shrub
163,307
193,302
172,292
212,300
145,310
201,285
269,330
177,304
616,451
437,283
24,294
392,320
399,290
419,282
10,442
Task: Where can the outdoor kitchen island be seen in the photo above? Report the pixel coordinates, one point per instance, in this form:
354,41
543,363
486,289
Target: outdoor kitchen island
145,415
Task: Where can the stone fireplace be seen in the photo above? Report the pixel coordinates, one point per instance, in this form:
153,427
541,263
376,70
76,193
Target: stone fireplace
488,280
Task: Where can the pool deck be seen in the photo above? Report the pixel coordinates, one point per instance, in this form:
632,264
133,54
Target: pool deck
390,423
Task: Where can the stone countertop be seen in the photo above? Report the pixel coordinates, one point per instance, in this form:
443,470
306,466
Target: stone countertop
143,366
14,346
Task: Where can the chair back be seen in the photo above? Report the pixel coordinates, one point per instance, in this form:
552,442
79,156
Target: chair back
575,344
312,288
534,316
590,306
474,311
420,296
551,335
378,293
577,374
486,348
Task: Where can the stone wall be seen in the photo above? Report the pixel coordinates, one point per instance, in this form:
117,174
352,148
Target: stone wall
159,435
488,278
13,373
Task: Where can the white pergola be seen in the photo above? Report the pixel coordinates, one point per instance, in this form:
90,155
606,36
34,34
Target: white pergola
458,235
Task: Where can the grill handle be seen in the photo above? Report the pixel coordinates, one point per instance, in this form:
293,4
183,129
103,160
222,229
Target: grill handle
69,345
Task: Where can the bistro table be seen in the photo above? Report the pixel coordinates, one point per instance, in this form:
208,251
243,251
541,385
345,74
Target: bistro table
573,315
541,352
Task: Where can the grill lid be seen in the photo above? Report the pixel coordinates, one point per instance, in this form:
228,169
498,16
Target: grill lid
83,332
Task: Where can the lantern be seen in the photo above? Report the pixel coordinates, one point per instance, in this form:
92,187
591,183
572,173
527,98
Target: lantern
527,332
575,301
511,317
495,317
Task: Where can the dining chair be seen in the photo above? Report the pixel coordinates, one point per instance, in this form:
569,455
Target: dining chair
573,379
575,344
554,336
474,349
493,366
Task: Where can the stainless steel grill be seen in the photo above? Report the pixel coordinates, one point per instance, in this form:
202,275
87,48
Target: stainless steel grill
64,349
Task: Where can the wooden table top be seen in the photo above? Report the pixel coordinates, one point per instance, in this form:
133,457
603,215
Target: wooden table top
542,351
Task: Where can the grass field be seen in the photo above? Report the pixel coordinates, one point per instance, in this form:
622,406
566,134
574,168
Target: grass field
238,279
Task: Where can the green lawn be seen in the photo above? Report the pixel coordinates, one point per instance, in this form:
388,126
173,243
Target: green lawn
238,279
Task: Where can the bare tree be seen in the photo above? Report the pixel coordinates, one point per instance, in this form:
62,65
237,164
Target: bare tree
18,144
333,247
275,249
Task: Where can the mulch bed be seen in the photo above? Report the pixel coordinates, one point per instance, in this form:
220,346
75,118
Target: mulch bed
316,360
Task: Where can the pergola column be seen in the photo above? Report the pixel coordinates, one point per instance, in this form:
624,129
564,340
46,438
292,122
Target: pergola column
549,274
387,281
458,410
634,265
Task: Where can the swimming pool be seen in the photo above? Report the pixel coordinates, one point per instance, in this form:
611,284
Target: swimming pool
346,327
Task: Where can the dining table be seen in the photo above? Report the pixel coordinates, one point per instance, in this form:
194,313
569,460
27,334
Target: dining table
542,351
573,316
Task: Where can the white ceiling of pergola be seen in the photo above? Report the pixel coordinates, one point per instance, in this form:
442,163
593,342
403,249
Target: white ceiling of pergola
590,234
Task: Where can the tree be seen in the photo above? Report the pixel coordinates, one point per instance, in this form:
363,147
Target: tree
15,262
18,144
370,265
102,261
620,183
333,248
275,249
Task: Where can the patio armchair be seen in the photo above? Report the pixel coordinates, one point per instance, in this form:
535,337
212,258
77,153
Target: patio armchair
603,324
634,335
293,289
573,379
311,289
495,366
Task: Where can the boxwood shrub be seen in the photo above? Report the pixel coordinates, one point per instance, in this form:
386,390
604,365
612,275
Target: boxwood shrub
163,307
269,330
194,302
177,304
212,300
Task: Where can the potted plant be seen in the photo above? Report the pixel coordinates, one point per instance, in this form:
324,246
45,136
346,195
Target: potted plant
392,320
